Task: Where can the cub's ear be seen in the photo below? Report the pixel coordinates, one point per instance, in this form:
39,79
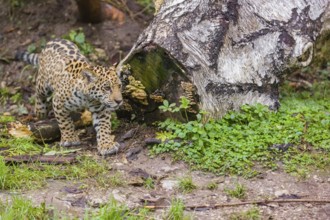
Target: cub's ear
89,76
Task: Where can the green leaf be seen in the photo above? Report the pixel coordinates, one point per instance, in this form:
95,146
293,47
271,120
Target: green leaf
72,35
32,48
80,38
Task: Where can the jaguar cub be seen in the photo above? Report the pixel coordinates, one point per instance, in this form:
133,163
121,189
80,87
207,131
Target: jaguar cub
76,85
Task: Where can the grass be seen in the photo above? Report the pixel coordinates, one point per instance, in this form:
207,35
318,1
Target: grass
186,184
212,186
111,180
238,192
148,5
21,146
115,211
20,208
32,176
254,135
176,211
6,118
149,183
251,214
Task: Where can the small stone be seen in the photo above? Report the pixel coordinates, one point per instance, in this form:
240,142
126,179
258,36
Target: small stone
318,179
279,193
100,53
168,169
118,195
169,184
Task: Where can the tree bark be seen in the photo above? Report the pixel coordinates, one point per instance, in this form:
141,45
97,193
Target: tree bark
220,53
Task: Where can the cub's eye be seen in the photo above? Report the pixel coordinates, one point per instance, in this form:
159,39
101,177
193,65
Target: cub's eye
107,88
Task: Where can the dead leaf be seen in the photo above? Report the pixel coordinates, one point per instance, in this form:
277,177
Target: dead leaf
18,130
135,181
61,152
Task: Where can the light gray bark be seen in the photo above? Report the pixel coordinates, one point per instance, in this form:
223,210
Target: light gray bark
234,51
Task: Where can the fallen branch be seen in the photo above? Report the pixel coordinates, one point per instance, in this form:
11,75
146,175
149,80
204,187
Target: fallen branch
41,159
258,202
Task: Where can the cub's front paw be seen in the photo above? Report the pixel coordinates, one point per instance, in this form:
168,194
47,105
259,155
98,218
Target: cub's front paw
108,149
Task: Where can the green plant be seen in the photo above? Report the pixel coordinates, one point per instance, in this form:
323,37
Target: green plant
35,175
6,118
32,48
78,37
172,108
16,98
212,186
21,208
251,214
4,95
238,192
176,211
240,140
114,180
115,211
149,183
186,184
148,5
21,146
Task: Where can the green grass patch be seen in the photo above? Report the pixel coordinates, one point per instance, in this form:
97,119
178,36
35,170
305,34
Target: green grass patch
20,208
115,211
251,214
240,140
149,183
238,192
21,146
6,118
176,211
186,184
35,175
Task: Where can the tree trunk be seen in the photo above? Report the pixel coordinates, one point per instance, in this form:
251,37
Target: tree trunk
90,10
221,54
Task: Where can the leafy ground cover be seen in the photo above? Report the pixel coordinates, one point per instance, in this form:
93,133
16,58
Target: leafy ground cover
297,136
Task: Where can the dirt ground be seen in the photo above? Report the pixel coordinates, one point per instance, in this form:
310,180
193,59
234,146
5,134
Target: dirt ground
21,26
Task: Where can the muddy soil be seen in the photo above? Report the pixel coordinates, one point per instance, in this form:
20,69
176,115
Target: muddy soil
37,19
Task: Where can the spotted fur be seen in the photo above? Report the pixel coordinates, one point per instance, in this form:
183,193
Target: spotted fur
76,85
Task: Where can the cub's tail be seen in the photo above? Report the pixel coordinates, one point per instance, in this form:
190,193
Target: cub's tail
30,58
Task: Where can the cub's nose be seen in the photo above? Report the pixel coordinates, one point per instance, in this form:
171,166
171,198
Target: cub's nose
118,101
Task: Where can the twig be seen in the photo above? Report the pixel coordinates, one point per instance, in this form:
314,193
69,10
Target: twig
257,202
41,159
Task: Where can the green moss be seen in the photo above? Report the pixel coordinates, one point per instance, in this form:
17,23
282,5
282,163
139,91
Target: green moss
153,68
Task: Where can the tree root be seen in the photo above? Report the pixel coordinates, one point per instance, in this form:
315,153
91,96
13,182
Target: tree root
257,202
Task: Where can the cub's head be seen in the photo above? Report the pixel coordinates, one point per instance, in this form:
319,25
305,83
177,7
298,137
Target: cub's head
103,85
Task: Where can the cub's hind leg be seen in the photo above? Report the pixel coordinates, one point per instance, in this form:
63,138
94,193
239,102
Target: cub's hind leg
64,120
41,106
42,92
